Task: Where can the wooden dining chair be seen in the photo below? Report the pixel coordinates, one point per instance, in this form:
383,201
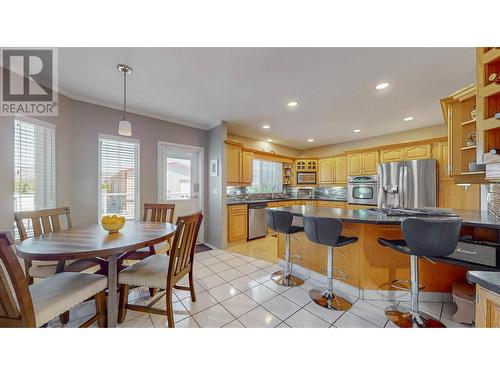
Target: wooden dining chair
163,271
47,221
23,305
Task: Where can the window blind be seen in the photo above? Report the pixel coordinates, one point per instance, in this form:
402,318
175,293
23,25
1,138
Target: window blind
34,168
118,177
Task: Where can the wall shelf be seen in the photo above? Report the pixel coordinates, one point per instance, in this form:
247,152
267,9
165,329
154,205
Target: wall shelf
473,121
468,147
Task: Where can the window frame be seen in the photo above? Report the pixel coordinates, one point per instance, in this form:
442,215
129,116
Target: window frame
51,127
137,195
261,174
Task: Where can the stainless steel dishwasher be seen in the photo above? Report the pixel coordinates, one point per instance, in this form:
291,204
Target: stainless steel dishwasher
257,226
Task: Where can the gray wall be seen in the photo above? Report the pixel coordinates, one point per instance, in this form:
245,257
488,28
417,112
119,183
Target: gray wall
216,223
77,129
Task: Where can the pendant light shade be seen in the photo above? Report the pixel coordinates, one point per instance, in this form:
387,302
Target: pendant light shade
124,126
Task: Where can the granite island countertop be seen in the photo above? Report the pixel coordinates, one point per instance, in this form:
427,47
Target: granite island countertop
470,217
486,279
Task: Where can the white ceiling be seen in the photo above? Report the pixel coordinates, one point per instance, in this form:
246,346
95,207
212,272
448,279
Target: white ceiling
246,87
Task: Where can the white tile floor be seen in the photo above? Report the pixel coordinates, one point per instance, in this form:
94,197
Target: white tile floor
234,290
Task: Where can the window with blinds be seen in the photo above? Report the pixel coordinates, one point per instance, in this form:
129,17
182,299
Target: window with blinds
118,178
34,168
267,175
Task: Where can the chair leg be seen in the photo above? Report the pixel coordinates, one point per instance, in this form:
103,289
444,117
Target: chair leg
191,286
123,300
27,266
169,307
64,317
101,310
152,292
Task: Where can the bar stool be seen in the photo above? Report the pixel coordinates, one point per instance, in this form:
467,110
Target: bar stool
281,222
326,231
422,238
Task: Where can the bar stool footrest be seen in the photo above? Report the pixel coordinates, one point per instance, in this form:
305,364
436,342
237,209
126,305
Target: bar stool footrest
404,284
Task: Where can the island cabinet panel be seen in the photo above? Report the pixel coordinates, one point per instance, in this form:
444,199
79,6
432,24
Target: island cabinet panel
313,256
237,222
370,265
487,308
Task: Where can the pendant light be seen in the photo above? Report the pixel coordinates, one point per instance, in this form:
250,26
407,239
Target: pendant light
124,127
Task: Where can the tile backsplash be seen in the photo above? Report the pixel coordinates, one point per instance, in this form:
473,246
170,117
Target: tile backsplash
494,201
331,192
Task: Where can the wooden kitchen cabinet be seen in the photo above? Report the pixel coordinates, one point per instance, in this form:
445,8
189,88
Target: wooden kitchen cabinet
237,218
460,197
487,308
239,165
233,161
331,204
246,167
326,174
362,163
340,169
415,152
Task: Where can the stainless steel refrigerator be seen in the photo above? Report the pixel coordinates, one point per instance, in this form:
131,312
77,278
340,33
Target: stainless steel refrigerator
407,184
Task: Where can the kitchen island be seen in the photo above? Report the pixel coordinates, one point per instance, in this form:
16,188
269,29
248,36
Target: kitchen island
371,267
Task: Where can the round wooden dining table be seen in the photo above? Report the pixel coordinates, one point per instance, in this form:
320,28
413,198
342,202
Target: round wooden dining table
94,242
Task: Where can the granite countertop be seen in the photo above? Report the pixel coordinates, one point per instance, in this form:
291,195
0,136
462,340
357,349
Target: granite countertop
469,217
486,279
231,202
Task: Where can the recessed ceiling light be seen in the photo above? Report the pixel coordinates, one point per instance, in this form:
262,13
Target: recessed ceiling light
356,130
408,118
266,126
293,103
269,140
382,85
310,140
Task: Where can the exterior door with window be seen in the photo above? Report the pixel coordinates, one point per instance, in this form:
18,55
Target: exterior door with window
180,171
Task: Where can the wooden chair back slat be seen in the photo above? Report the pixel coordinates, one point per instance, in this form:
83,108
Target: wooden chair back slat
13,314
42,221
159,212
182,252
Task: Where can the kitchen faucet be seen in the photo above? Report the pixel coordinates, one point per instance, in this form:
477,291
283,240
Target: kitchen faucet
272,191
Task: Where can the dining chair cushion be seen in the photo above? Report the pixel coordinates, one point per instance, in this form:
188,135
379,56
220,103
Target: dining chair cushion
42,270
150,272
60,292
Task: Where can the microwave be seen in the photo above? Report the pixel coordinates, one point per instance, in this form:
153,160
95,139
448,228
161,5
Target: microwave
306,178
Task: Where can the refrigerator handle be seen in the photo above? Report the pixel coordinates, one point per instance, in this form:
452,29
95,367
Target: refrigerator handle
405,185
400,187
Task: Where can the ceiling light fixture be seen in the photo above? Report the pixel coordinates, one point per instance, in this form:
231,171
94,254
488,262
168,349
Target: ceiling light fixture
124,126
269,140
310,140
409,118
293,103
266,126
382,85
356,131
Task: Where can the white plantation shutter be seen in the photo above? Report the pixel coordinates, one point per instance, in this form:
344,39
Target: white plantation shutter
118,177
34,168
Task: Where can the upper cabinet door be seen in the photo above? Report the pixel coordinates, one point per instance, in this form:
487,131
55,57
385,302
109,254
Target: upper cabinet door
391,154
340,169
418,152
325,171
246,167
370,161
355,164
233,157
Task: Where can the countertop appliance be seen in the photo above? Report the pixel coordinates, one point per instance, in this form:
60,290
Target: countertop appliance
407,184
257,225
363,190
306,178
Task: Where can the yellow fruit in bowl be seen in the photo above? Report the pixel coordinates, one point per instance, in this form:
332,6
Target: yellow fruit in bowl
113,223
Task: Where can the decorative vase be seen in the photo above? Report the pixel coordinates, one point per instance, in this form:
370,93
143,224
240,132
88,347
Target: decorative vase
473,113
